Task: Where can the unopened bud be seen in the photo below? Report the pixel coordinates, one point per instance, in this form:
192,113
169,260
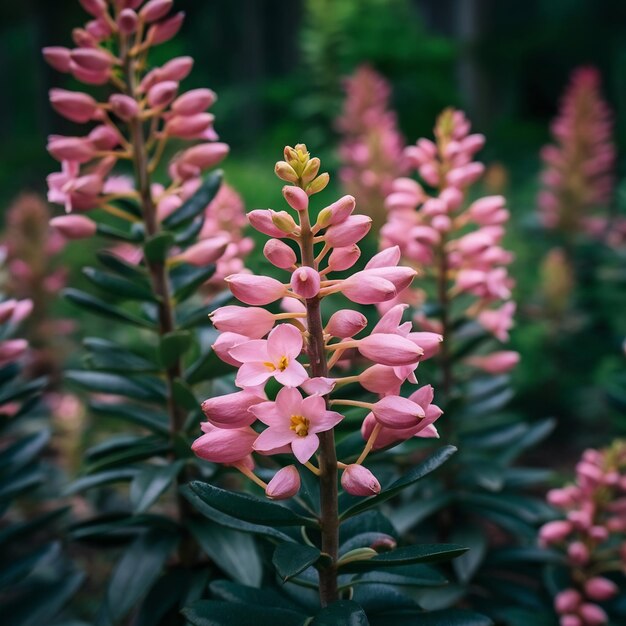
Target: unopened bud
285,172
319,184
285,484
310,170
283,221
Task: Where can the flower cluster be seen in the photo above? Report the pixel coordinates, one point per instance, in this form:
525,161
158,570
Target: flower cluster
578,175
460,245
371,150
113,49
593,534
299,351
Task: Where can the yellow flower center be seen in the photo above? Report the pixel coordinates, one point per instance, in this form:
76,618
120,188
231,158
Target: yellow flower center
283,363
300,425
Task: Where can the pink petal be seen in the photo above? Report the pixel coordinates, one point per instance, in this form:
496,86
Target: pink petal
251,374
284,340
423,396
272,438
250,351
268,413
288,402
293,375
304,447
318,385
325,421
429,431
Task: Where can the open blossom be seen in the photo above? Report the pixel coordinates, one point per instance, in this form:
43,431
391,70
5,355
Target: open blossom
579,165
371,148
306,354
460,244
592,534
88,178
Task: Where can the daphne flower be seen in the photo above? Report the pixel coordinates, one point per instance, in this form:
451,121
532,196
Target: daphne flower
275,357
294,421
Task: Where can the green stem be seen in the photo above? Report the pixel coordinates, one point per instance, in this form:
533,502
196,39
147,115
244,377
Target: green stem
161,288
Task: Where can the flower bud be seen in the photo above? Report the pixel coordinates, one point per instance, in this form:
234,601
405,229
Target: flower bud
285,172
194,101
570,620
305,281
162,94
103,137
359,481
600,588
285,484
255,290
74,226
343,258
165,30
319,184
253,322
397,412
284,222
567,601
12,349
155,10
231,410
189,126
364,288
94,7
127,21
337,212
76,106
496,362
593,615
261,220
125,107
310,170
58,58
346,323
92,59
279,254
205,155
76,149
222,445
348,232
224,344
554,532
206,251
296,198
388,349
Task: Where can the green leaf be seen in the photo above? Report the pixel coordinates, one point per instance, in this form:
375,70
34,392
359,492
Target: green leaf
217,613
17,569
150,482
426,553
423,469
157,423
134,236
173,346
20,390
109,356
231,522
100,307
115,384
405,575
240,594
406,516
207,367
119,287
124,450
24,450
156,247
292,558
44,601
186,279
102,478
137,571
235,553
447,617
342,613
16,530
248,508
197,203
136,273
184,396
536,433
189,233
474,538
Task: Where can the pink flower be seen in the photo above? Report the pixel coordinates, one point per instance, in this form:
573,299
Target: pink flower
496,362
231,410
253,322
256,290
294,421
305,281
275,357
74,226
498,321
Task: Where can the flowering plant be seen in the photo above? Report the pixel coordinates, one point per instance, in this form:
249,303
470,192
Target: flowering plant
592,536
291,406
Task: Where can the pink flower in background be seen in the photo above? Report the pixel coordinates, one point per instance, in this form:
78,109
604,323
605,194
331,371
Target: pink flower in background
371,148
459,245
578,174
591,535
